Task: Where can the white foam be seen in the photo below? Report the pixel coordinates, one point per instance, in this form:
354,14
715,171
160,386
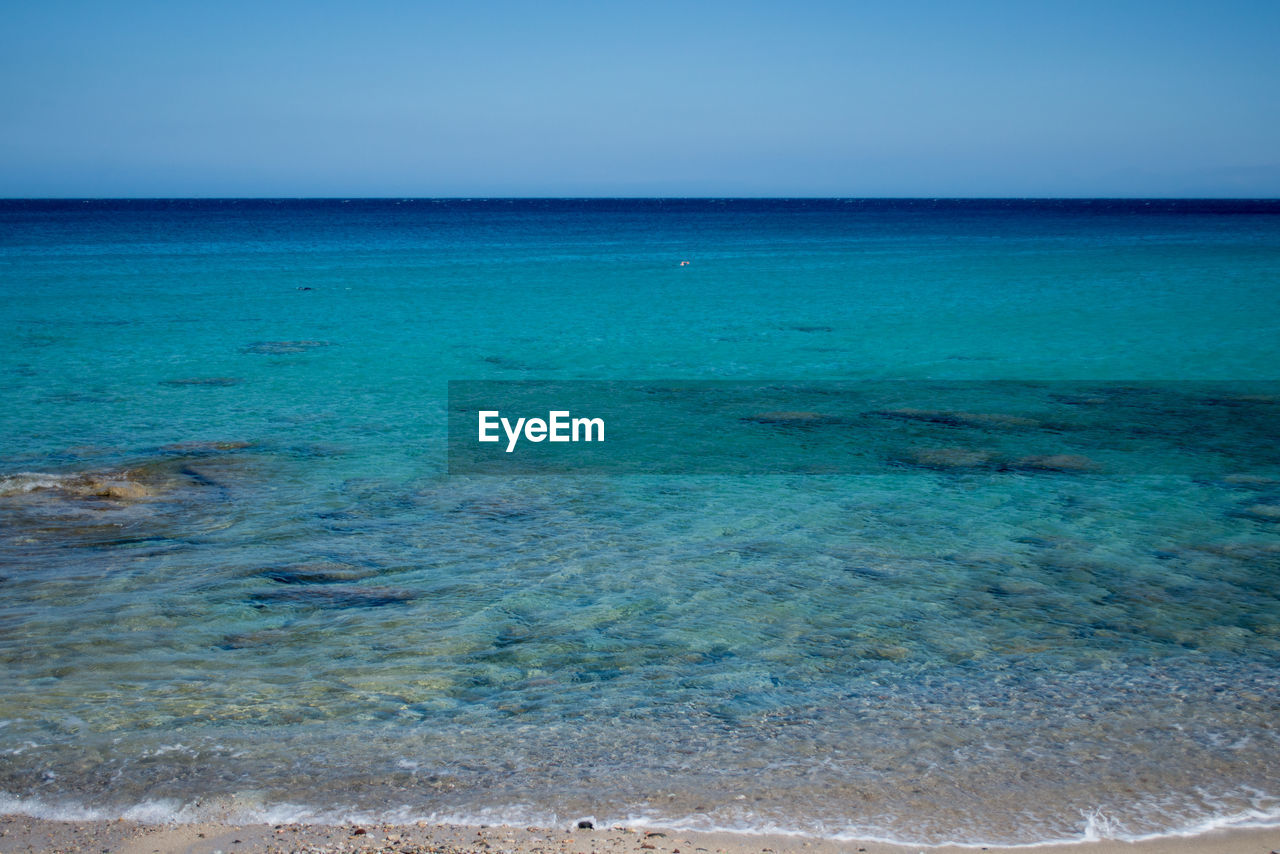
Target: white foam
36,808
1097,827
244,808
29,481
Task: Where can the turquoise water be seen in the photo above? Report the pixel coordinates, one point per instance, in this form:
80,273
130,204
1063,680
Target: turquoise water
236,578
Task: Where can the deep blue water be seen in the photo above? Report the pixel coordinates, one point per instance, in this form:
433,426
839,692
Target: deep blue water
236,578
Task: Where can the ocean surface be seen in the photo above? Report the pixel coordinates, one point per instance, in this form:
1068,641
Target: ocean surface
237,579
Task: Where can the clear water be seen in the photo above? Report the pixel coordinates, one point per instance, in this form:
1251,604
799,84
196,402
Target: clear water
236,580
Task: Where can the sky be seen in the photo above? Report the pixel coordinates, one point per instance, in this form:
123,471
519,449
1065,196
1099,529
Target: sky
550,98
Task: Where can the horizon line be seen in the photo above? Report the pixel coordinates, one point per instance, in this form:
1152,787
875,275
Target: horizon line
482,198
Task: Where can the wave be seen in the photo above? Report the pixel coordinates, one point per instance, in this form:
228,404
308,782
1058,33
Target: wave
117,485
30,481
1096,825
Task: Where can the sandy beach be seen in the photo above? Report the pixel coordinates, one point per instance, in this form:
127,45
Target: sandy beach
25,834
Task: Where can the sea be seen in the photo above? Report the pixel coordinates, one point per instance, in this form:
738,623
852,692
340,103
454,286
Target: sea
244,576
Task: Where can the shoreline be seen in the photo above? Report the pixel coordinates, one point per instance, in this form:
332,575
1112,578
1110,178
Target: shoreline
22,833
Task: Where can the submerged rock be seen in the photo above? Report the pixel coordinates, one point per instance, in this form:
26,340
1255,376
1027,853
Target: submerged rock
319,572
1080,399
259,638
871,572
793,419
314,451
207,381
508,364
1261,512
1242,400
283,348
334,596
889,652
1055,463
949,458
199,447
120,486
1247,551
499,508
121,490
158,502
1250,481
957,419
87,451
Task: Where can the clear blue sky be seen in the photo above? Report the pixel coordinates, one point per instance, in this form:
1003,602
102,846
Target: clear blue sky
889,98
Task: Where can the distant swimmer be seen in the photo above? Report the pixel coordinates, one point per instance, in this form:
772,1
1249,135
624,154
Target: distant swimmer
684,263
304,289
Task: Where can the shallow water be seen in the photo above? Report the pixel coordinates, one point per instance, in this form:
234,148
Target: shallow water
237,579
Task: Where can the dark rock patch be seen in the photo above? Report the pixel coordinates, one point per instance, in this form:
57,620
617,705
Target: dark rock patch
498,508
1250,481
869,572
334,596
200,447
793,419
957,419
1061,463
251,640
320,572
204,381
1260,513
283,348
1248,552
506,363
949,459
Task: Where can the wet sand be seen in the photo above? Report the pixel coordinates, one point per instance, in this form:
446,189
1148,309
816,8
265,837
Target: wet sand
24,834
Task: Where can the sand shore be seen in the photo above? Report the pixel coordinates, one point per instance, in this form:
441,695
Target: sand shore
25,834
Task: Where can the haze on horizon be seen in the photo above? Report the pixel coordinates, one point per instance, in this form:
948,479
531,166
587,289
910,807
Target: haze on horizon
554,98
